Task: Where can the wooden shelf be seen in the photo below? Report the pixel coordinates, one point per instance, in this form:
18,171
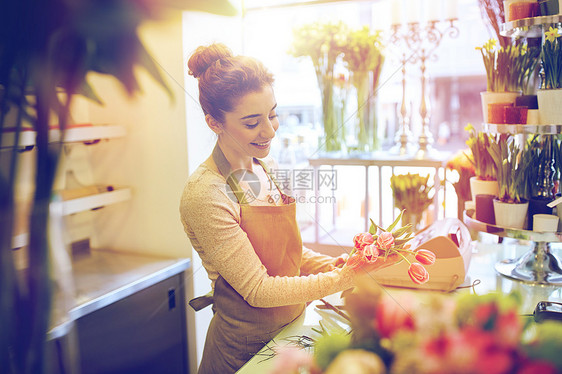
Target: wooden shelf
82,204
93,201
79,134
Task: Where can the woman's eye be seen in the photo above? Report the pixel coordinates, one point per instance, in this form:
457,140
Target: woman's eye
251,126
273,116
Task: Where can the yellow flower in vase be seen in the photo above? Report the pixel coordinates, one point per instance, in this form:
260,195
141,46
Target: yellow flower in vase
413,194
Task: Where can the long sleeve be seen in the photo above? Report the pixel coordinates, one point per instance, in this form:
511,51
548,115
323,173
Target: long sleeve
314,262
212,222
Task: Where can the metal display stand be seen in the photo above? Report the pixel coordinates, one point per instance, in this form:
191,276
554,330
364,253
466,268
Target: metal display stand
539,265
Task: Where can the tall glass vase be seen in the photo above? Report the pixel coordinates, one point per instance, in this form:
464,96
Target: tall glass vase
367,139
332,141
331,131
413,218
361,83
371,108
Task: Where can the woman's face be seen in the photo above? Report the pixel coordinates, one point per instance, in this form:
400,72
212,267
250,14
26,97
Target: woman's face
247,131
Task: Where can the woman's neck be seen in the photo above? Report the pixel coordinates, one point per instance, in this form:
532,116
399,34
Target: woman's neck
236,160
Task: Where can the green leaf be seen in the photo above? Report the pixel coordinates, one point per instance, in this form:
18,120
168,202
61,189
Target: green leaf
373,224
395,221
399,232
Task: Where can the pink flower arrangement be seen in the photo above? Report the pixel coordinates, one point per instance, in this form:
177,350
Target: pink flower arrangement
437,334
369,247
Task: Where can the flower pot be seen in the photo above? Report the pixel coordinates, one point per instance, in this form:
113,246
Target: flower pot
484,209
533,117
496,112
549,7
530,101
550,111
545,223
515,114
483,187
518,9
538,205
510,215
489,97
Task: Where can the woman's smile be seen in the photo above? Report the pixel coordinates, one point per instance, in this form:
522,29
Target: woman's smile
262,145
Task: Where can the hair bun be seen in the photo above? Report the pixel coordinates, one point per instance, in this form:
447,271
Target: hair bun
205,56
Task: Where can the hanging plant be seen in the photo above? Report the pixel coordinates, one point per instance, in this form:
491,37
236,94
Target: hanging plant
47,48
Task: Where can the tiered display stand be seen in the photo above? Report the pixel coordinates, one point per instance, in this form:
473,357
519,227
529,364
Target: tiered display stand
539,265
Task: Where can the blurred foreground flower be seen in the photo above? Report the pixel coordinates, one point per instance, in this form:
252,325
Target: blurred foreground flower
433,333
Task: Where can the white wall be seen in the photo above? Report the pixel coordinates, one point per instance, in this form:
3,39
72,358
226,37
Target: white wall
151,159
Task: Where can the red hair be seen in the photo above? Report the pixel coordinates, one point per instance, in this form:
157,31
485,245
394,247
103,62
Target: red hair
224,78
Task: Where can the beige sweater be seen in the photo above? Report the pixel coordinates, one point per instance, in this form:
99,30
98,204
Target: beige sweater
211,220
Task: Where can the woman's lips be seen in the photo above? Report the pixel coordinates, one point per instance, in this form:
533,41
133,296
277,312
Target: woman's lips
262,145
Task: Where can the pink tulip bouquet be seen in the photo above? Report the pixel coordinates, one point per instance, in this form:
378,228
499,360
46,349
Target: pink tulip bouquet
370,246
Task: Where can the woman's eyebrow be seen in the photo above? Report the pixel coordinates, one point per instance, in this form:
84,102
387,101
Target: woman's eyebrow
250,116
257,115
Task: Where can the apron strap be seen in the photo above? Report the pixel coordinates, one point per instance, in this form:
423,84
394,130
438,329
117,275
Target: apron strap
226,171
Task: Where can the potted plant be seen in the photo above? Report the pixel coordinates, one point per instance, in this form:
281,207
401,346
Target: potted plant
461,164
47,50
507,69
322,42
527,102
413,195
363,57
511,204
550,93
484,181
544,157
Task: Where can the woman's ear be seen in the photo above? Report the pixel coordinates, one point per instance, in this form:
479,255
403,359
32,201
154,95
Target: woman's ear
213,124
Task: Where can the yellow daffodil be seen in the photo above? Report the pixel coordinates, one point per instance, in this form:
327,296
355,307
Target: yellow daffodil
551,34
490,44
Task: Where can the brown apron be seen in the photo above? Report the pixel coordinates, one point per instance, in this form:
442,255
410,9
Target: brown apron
238,331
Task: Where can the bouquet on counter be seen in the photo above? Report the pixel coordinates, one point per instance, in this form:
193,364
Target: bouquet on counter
370,246
430,333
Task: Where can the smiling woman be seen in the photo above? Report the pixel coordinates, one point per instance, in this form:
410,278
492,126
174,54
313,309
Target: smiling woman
247,131
248,242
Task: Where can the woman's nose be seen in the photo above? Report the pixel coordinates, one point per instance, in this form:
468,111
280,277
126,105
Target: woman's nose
269,128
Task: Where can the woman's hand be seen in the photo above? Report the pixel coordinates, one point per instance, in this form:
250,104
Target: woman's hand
380,263
339,261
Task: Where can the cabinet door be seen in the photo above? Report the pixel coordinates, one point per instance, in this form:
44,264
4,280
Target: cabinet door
143,333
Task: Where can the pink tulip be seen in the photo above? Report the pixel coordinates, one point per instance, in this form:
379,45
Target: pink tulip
417,273
363,239
425,257
371,253
385,240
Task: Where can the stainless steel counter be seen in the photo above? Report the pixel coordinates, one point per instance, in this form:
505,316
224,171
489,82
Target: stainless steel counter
105,277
